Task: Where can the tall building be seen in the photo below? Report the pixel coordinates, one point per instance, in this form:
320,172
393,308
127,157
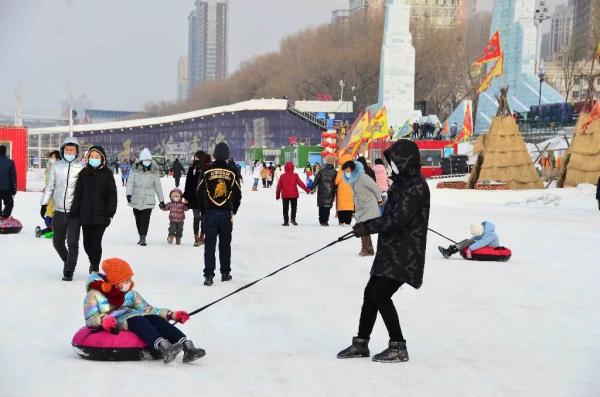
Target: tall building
545,52
440,12
182,78
586,28
561,28
207,42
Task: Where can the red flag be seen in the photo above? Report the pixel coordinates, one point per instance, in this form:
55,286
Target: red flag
492,50
594,115
496,71
467,130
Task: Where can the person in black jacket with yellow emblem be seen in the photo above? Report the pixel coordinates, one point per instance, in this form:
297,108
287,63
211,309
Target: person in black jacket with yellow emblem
219,198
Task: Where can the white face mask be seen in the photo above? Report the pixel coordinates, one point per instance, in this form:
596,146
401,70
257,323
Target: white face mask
125,287
394,168
348,174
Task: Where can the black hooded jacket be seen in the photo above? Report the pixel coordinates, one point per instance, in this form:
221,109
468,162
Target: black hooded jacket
95,198
403,226
219,188
325,183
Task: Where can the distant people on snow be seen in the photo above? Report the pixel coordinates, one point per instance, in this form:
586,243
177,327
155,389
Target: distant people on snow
287,190
324,184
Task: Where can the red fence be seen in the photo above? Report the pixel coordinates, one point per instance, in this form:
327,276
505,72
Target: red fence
15,140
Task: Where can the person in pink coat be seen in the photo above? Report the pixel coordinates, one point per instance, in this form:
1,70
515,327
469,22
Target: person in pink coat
382,179
287,189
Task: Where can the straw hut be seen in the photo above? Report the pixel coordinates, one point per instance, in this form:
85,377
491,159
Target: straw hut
503,156
582,161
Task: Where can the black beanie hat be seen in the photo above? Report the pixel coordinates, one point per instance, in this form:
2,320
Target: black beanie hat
221,151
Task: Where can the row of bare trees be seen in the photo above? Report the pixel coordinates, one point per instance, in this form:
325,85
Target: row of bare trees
313,62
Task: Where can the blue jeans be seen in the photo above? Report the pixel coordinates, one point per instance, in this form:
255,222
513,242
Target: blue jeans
217,223
255,185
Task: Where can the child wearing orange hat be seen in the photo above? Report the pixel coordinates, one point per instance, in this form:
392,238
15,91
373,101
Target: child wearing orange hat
112,303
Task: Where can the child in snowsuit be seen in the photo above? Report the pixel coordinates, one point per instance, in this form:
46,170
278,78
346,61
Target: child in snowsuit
176,210
483,236
286,189
111,303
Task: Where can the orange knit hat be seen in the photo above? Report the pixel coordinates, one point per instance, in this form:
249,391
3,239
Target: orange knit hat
116,270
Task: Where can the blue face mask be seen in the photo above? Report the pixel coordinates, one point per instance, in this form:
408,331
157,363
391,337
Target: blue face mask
94,163
147,163
69,157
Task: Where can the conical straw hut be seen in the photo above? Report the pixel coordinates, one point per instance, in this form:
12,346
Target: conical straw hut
582,161
505,156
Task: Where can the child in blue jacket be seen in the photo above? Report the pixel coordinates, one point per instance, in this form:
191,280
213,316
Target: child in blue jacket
484,235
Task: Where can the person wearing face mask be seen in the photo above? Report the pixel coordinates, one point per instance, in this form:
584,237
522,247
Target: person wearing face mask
53,157
112,303
142,188
344,195
60,187
400,254
94,203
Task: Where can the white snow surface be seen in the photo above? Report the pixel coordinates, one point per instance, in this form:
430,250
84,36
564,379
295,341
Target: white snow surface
528,327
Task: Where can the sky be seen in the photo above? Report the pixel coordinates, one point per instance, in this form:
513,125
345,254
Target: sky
123,54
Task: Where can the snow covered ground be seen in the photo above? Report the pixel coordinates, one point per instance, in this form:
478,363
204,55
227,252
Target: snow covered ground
529,327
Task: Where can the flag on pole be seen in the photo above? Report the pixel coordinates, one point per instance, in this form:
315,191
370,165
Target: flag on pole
594,115
402,132
357,129
379,125
492,51
467,129
496,71
445,128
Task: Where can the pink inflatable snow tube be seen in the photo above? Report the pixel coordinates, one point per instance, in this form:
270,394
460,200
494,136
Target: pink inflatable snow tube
98,344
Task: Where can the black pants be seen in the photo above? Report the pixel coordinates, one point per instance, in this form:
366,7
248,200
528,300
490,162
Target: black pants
176,229
152,328
7,198
177,178
197,218
264,181
66,228
124,181
217,223
324,214
142,220
286,209
345,217
378,298
92,244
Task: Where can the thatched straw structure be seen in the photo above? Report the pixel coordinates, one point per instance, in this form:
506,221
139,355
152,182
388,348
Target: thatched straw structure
505,158
582,161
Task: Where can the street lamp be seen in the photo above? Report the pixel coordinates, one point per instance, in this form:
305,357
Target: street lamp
541,14
342,84
541,75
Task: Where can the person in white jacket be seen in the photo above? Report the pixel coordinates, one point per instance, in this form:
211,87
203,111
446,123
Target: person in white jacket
256,174
60,187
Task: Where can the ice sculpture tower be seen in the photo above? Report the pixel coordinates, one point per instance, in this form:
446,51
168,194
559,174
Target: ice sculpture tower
397,68
515,21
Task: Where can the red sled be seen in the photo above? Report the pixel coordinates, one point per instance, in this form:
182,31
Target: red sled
99,345
490,254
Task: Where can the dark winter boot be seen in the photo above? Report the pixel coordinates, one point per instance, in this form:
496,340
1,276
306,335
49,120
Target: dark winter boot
198,240
93,269
363,246
293,222
67,275
170,239
178,241
369,251
169,352
447,252
142,240
226,277
38,231
208,281
359,348
395,353
139,240
191,353
285,224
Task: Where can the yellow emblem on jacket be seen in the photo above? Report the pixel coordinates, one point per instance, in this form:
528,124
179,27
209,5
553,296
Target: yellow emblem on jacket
220,190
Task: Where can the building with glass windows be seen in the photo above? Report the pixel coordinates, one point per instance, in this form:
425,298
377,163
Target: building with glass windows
264,123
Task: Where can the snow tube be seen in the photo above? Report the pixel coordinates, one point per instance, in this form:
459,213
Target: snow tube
100,345
497,254
10,225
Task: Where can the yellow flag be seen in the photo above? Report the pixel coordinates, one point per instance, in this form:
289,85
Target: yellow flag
379,125
359,128
496,71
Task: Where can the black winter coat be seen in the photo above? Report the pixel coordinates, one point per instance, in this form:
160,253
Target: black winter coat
191,184
403,226
95,198
8,175
325,183
598,190
177,169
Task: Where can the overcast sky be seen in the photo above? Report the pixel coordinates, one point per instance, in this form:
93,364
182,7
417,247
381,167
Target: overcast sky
123,53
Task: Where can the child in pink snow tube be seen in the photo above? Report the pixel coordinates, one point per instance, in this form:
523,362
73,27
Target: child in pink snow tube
483,245
113,305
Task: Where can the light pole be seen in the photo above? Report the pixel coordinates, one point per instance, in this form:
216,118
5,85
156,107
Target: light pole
541,75
342,84
541,14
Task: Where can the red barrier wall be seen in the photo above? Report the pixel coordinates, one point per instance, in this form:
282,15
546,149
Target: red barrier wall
15,138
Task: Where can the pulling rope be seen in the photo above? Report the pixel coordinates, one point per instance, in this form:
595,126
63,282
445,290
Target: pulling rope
346,236
441,235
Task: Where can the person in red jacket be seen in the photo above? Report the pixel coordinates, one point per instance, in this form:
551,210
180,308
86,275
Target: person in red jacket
288,191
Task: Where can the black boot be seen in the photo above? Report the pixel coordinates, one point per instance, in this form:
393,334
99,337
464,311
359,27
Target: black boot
208,281
359,348
67,275
226,277
94,269
448,252
191,353
168,351
142,240
395,353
